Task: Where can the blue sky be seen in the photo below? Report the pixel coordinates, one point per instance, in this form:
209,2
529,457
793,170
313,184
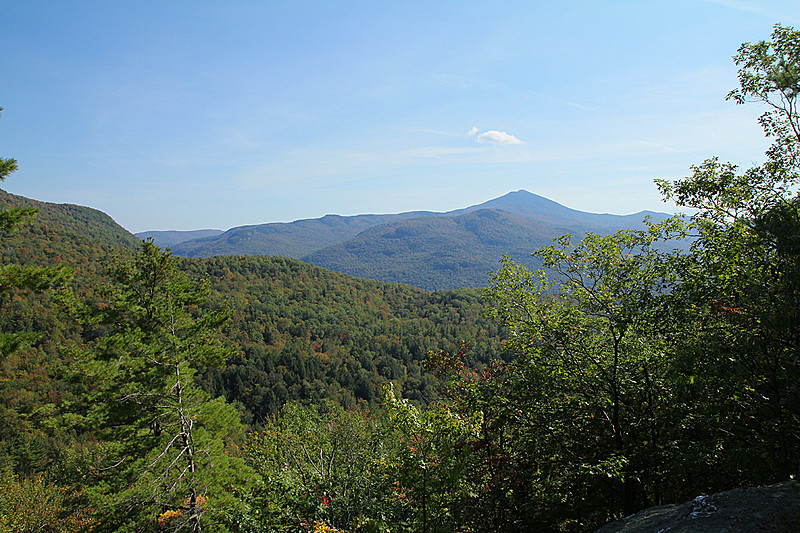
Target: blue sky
187,115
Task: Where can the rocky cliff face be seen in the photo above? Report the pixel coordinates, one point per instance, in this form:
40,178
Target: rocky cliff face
774,508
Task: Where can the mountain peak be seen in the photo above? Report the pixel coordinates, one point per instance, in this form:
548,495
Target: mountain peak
528,205
524,196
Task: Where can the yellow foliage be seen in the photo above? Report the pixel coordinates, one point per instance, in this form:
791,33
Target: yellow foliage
322,527
166,516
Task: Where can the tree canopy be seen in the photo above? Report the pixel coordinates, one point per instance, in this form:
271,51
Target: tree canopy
258,394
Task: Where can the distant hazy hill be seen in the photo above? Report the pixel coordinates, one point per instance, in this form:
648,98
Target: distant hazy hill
173,237
438,252
430,250
290,239
543,210
447,252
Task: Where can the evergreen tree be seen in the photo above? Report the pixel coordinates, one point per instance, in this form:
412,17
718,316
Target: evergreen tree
173,442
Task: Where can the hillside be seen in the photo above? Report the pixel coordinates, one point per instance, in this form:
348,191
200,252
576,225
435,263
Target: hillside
545,211
75,220
78,236
297,333
434,251
300,332
306,333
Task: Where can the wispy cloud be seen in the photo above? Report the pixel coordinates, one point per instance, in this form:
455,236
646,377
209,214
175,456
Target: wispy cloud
438,152
434,132
664,147
750,7
542,97
497,137
775,10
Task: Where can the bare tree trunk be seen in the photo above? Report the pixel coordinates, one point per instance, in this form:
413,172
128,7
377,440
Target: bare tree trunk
188,449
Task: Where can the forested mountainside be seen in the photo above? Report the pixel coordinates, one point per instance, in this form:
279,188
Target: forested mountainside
66,233
439,252
433,251
302,332
295,333
305,333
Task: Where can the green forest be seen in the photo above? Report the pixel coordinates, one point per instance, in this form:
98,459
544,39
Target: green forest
147,392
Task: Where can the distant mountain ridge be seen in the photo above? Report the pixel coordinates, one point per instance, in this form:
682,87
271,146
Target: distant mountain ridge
290,239
458,248
173,237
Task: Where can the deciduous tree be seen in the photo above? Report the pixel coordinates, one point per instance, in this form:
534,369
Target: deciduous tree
591,376
742,283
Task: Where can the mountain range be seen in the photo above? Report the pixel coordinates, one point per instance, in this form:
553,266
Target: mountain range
431,250
171,238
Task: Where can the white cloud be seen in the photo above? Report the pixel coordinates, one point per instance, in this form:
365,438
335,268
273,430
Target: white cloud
473,131
497,137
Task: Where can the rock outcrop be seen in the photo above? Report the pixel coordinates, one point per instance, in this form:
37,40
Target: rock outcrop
775,508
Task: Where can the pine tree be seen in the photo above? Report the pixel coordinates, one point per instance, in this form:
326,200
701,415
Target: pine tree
171,438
